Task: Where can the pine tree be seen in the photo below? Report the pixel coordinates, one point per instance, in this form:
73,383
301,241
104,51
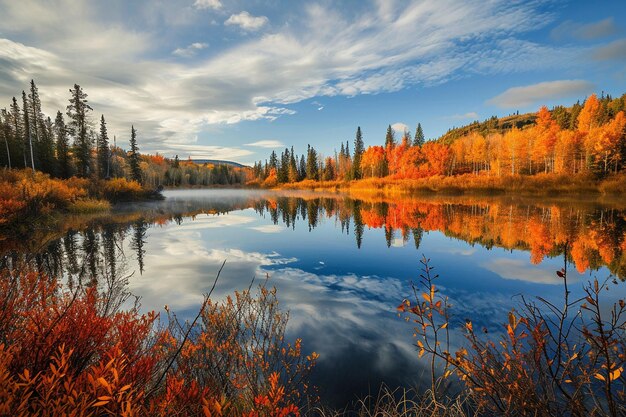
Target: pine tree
283,171
390,141
37,127
273,160
311,164
419,136
47,159
293,167
5,134
359,148
302,169
62,147
77,111
28,138
103,151
133,157
17,130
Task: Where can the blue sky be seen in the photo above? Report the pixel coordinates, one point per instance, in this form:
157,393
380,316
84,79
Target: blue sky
235,79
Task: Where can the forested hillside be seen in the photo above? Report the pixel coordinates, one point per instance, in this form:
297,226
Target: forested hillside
586,139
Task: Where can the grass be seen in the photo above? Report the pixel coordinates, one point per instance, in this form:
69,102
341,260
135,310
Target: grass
89,205
539,184
401,403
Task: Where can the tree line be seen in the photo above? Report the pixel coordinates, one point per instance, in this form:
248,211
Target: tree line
586,138
70,145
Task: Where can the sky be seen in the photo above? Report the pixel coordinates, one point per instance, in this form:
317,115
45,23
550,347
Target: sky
235,79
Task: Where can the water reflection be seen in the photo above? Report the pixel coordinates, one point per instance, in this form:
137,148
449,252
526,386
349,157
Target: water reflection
341,264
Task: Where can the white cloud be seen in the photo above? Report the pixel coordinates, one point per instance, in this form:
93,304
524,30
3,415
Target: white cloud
466,116
594,30
202,151
208,4
525,96
400,128
266,144
614,50
246,21
318,105
190,50
327,53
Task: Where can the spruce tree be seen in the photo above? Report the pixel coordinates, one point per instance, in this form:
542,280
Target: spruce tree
359,148
28,137
293,167
390,141
283,172
78,126
311,164
17,128
5,134
302,169
62,147
273,160
419,136
133,156
47,159
37,127
103,151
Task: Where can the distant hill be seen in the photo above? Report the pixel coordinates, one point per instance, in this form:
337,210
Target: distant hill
492,125
218,162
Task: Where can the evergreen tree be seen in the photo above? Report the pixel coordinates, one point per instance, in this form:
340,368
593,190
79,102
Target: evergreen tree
62,147
103,151
78,127
28,138
47,159
311,164
419,136
573,121
273,160
133,156
302,169
283,172
293,167
37,127
390,141
17,130
359,148
6,135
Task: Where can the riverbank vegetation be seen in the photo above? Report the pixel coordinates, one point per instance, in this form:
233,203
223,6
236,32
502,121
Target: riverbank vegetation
578,149
554,359
76,348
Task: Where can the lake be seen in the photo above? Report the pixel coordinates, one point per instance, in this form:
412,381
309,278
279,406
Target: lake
342,264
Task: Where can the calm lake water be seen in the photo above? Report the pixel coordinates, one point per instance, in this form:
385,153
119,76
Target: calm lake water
342,265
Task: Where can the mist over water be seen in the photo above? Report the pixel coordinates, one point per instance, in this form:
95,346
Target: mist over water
342,264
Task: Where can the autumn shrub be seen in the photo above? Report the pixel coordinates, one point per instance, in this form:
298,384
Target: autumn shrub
120,189
70,349
25,193
238,351
557,360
